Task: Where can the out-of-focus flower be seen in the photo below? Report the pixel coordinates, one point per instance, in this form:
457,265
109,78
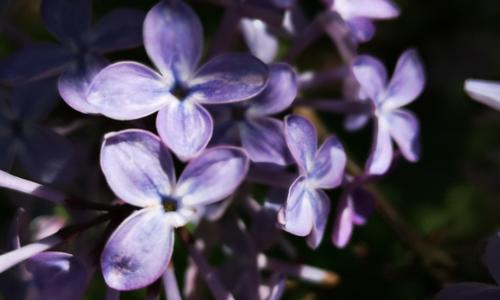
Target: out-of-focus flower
140,171
486,92
79,55
391,121
307,206
173,39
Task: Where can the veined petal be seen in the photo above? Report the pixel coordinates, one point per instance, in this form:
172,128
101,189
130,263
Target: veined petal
343,226
302,141
405,130
139,250
74,83
264,140
371,75
329,164
372,9
321,209
185,127
67,20
469,291
173,38
120,29
137,167
485,92
299,213
261,43
279,93
408,81
228,78
381,153
212,176
128,91
492,258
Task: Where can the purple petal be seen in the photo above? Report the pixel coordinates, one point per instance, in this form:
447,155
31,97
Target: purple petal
329,164
185,127
139,250
261,43
67,20
408,81
469,291
299,214
492,256
173,38
264,139
57,275
33,62
302,141
27,107
228,78
485,92
371,75
363,29
212,176
356,122
372,9
137,167
343,226
363,205
381,153
405,130
74,83
128,91
44,154
321,209
120,29
279,93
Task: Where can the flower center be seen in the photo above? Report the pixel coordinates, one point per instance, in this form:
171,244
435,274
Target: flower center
169,205
180,92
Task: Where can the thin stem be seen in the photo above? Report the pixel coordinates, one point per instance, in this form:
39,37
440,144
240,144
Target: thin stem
213,282
311,80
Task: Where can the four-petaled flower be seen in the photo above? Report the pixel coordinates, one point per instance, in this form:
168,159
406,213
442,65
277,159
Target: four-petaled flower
140,171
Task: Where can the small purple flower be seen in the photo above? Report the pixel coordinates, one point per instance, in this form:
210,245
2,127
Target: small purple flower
307,206
391,121
173,39
486,92
140,171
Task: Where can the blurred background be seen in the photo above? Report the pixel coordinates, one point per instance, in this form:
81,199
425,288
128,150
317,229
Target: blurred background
451,197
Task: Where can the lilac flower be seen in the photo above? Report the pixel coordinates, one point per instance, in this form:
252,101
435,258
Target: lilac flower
360,14
140,171
261,135
173,40
307,206
486,92
391,121
79,57
475,290
41,152
261,43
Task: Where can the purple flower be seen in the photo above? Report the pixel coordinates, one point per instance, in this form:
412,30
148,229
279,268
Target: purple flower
391,121
307,206
173,40
486,92
79,57
259,133
475,290
140,171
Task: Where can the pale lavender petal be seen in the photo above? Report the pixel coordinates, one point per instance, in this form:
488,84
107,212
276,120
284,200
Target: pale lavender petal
382,151
485,92
329,164
212,176
33,62
120,29
261,43
128,90
320,204
264,139
405,129
47,225
67,20
299,213
139,250
228,78
185,127
12,258
492,256
279,93
74,83
408,81
371,75
469,291
356,122
302,141
173,38
343,226
373,9
137,167
57,275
